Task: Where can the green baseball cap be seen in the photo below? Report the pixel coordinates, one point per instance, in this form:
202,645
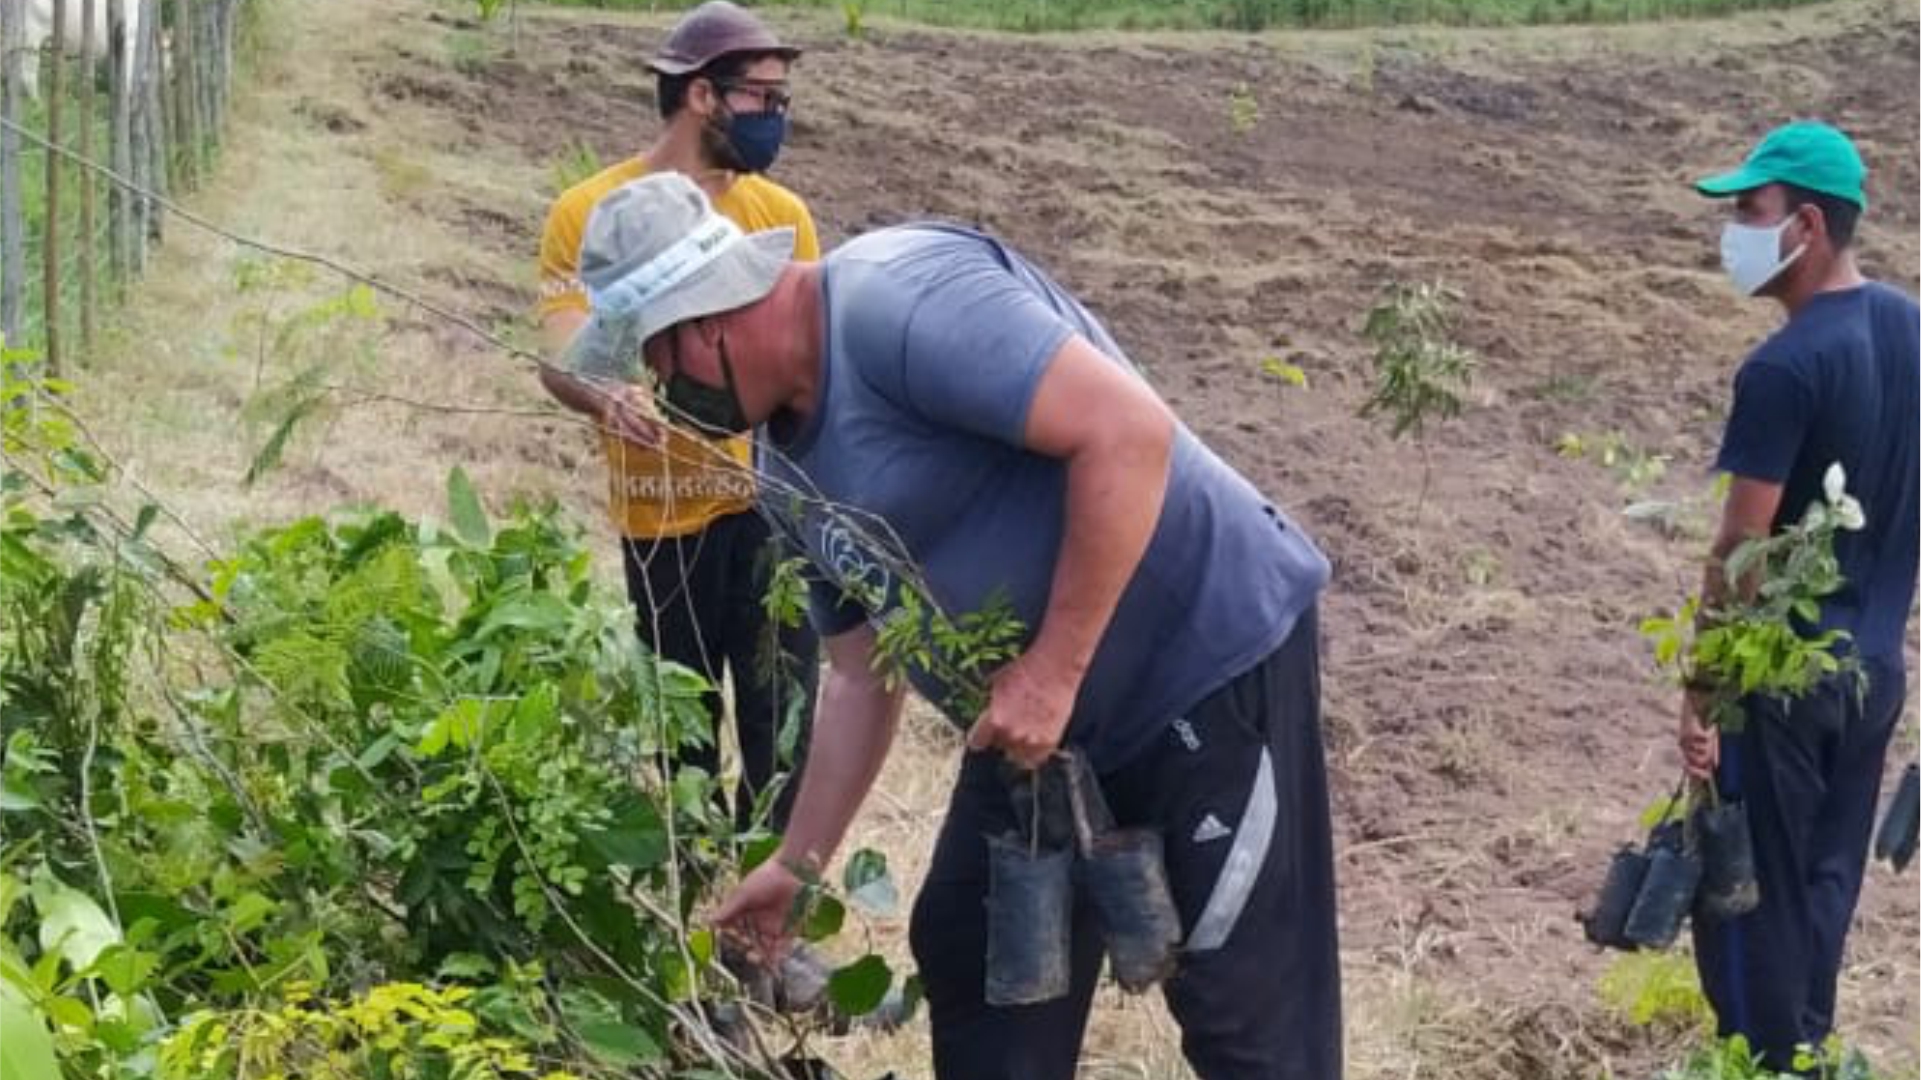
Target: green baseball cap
1807,154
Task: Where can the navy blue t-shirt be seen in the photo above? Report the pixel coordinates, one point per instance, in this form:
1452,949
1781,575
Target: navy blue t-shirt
1839,383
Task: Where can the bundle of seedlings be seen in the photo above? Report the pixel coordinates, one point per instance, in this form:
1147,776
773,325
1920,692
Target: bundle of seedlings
1758,638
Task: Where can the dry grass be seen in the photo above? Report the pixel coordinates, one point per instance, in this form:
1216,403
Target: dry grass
170,393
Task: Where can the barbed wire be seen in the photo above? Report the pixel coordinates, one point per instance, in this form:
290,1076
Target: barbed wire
782,503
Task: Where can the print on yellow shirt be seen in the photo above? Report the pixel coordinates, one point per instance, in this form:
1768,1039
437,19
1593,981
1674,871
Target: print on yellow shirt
690,481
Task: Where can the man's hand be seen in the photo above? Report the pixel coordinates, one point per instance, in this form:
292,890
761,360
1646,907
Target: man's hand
759,909
1028,707
627,412
1700,742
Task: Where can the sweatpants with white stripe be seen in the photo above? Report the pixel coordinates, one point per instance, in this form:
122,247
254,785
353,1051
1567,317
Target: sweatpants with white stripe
1238,790
1810,774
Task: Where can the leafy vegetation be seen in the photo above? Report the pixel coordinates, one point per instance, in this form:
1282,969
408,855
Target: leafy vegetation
1656,989
1763,638
576,162
1243,109
1733,1059
962,652
1634,468
319,341
367,796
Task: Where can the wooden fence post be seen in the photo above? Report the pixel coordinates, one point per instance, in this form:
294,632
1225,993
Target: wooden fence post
50,248
228,24
120,54
186,88
153,66
13,230
89,238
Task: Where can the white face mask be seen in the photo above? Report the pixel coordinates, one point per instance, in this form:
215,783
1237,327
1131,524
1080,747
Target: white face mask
1751,254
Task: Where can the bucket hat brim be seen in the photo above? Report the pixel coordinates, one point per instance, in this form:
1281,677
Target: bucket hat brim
609,345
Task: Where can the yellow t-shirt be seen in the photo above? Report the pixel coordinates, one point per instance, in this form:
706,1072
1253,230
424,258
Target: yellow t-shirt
691,481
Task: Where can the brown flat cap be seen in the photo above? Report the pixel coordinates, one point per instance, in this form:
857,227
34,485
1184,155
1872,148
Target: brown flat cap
711,31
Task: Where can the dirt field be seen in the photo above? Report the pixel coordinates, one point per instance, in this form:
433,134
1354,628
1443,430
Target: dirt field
1493,721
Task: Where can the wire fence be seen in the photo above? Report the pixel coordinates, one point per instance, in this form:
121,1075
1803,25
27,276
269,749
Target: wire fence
143,85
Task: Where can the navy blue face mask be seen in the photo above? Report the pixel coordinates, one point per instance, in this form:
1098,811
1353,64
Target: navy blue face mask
755,139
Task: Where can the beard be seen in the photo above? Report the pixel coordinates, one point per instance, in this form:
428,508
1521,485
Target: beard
716,147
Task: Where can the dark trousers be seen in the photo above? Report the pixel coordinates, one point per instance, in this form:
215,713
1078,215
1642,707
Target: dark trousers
1810,774
1264,1000
699,602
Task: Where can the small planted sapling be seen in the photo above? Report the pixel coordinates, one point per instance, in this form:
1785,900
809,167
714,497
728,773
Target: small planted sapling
1243,109
1422,375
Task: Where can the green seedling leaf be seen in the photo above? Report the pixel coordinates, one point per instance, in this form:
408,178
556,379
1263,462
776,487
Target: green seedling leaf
1658,811
700,945
72,926
465,511
620,1045
270,453
467,967
26,1046
15,795
861,986
597,1022
125,970
457,726
869,886
378,751
824,917
636,837
1288,374
250,912
535,612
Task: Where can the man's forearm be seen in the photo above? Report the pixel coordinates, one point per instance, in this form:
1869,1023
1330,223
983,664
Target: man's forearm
557,331
576,393
853,730
1114,499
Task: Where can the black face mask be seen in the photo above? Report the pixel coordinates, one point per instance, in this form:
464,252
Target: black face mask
713,410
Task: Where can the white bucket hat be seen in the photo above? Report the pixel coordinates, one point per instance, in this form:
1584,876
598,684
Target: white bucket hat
656,254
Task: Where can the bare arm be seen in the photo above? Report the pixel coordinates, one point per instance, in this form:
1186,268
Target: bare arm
1747,514
557,329
616,408
853,729
1117,439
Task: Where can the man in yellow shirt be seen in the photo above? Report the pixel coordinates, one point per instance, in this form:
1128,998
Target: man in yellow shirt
697,556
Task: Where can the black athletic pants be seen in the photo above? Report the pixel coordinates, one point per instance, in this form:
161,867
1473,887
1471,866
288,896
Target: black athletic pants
1258,990
1810,774
699,602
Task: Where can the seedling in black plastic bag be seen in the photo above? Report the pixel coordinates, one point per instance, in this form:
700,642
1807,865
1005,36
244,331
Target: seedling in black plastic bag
1901,824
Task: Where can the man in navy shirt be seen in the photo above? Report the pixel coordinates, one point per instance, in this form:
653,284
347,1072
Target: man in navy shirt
1836,383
